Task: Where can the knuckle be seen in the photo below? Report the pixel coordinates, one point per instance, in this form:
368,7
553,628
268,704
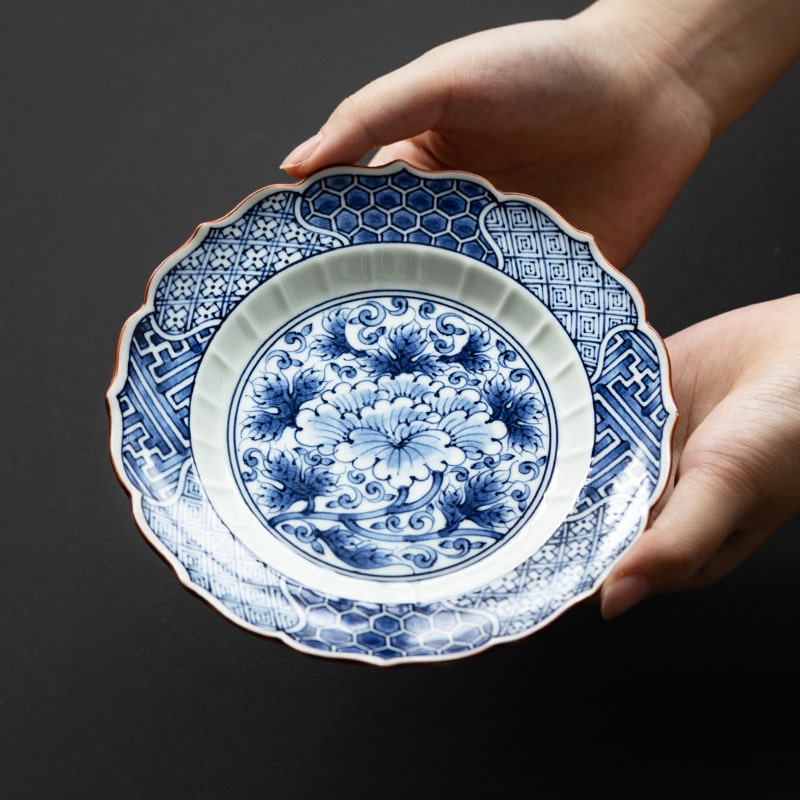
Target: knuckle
679,563
726,477
355,112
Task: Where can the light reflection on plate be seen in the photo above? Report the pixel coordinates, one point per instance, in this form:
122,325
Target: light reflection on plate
391,415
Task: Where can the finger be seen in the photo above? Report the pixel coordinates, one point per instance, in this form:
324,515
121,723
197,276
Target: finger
412,151
396,106
704,508
736,549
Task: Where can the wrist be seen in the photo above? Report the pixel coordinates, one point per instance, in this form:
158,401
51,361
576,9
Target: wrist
723,55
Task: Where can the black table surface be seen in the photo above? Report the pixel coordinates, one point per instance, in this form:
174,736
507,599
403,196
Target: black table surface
126,125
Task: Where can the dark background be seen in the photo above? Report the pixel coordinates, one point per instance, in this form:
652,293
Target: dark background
123,127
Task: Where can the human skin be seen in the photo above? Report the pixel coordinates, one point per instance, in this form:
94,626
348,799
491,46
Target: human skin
605,116
736,476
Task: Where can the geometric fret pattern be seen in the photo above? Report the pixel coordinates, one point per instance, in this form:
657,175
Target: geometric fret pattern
562,272
630,414
154,405
194,292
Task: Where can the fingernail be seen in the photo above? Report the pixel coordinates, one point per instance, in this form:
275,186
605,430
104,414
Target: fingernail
622,594
302,152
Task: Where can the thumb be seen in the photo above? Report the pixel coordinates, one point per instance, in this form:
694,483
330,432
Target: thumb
704,509
396,106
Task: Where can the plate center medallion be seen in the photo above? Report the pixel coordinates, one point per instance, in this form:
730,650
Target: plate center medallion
394,436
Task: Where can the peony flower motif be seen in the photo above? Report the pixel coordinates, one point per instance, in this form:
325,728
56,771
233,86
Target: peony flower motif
325,427
447,399
395,436
348,398
419,388
475,434
399,444
402,429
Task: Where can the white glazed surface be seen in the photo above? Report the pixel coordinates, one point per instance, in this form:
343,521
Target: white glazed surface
393,268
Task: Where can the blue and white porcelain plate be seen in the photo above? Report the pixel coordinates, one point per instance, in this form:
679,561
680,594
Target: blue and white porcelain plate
391,415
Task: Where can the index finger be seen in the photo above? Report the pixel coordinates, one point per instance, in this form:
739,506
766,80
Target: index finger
396,106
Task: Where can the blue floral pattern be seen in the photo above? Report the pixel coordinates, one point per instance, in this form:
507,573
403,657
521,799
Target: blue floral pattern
201,286
392,436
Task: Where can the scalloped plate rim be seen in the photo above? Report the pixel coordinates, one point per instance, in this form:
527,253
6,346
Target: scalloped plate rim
147,306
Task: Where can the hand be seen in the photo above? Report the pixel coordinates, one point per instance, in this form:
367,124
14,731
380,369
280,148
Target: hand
604,115
568,111
736,381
